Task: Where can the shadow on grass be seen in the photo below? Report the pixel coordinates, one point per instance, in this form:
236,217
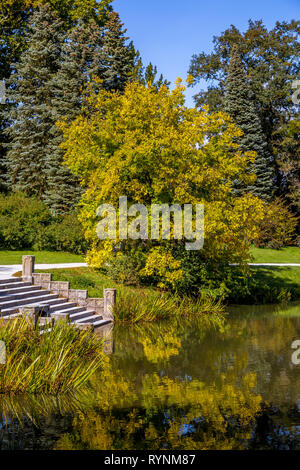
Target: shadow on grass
271,284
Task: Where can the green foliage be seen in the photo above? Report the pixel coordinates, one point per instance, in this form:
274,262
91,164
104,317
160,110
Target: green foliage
118,59
150,305
59,361
21,221
15,16
46,87
125,268
64,234
27,223
238,104
264,285
288,154
34,160
85,278
148,75
31,119
271,64
81,58
136,304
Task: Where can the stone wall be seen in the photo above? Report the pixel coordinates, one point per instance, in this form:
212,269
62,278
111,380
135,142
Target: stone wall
102,306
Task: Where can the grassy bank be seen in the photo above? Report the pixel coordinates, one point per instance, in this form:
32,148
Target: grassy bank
41,257
57,362
137,304
266,285
275,280
289,254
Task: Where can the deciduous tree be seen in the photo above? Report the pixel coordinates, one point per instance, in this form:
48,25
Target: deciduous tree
147,145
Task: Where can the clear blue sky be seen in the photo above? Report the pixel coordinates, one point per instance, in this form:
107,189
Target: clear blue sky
168,32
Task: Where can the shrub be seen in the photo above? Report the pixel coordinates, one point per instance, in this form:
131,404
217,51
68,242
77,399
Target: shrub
278,227
22,221
27,223
125,268
64,234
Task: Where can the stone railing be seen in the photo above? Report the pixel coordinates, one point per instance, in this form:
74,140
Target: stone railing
102,306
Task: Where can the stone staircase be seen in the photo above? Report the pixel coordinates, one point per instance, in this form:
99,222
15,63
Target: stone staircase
16,293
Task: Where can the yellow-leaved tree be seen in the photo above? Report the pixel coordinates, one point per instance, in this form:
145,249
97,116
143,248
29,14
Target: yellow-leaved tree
147,145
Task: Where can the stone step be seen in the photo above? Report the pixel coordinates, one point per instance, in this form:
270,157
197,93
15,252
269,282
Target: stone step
10,279
18,290
7,307
54,302
14,284
101,322
70,310
75,317
90,319
23,295
45,323
60,307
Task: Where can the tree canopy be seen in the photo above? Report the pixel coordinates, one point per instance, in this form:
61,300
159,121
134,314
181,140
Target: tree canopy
147,145
271,61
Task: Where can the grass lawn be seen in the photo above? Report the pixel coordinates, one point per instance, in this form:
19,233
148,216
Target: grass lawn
261,255
289,254
41,257
84,278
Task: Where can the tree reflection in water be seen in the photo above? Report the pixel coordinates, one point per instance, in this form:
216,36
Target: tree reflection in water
177,386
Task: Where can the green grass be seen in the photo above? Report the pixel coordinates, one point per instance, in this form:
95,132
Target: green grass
266,285
261,255
59,361
41,257
280,279
136,304
288,254
83,278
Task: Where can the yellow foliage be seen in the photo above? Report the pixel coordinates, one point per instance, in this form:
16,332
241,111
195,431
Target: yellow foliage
147,145
277,227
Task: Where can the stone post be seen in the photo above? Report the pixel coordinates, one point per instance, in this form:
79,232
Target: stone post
33,312
63,317
110,297
28,268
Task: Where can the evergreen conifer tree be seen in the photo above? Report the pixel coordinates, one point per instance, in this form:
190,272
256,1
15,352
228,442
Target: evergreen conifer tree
31,118
80,60
118,57
239,105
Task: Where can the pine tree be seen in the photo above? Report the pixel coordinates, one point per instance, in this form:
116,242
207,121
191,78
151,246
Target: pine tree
147,75
239,105
31,119
151,77
3,125
118,57
80,60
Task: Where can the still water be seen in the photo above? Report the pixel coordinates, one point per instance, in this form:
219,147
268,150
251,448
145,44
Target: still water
177,386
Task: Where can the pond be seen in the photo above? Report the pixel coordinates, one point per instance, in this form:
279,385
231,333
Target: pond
177,386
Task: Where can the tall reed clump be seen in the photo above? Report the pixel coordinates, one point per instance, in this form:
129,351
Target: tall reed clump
135,305
59,361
